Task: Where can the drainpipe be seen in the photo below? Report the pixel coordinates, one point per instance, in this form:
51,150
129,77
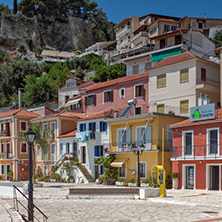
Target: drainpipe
19,98
190,35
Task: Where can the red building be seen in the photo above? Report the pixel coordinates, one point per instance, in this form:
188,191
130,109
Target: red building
197,150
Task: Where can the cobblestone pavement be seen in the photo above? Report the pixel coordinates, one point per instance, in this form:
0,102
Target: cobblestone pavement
179,205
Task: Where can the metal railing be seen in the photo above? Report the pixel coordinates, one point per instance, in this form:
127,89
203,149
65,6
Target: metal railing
17,202
187,152
4,133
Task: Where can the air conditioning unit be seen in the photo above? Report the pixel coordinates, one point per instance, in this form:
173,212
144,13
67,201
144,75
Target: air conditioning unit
20,161
10,155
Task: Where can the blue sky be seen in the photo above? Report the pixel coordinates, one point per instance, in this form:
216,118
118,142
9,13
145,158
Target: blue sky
117,10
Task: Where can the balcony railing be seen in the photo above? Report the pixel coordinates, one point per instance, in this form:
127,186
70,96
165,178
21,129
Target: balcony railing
4,133
209,82
125,30
6,155
196,151
144,34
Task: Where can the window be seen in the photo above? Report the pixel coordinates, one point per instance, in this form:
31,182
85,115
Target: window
7,128
143,169
173,28
23,125
200,25
203,74
75,150
45,126
52,148
38,168
147,66
188,143
161,80
184,75
166,28
123,138
108,96
92,129
122,171
61,149
90,100
103,126
135,69
52,127
138,110
162,43
2,147
122,92
160,108
23,148
178,39
67,147
2,169
184,106
38,150
213,141
2,127
76,106
169,135
45,169
139,91
66,97
98,150
82,127
72,84
143,136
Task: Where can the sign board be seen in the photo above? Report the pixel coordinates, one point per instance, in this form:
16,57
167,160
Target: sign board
204,112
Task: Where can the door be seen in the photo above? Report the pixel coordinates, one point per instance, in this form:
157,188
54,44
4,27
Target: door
188,144
75,151
214,177
189,177
83,154
8,168
8,149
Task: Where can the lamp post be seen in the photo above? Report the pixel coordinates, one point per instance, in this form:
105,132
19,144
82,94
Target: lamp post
30,138
138,151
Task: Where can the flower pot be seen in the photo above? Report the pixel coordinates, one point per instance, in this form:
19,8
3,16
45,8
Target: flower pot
175,183
131,184
119,183
144,184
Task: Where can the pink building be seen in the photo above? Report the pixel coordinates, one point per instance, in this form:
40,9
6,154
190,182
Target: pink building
115,94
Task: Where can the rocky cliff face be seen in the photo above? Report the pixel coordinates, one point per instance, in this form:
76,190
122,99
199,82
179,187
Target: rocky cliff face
69,35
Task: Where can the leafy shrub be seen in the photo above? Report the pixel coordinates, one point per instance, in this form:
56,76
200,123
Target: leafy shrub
174,175
132,180
22,49
120,180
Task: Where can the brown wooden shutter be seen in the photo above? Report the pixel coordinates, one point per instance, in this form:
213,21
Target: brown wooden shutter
111,96
137,91
94,99
203,74
105,97
143,91
86,101
135,69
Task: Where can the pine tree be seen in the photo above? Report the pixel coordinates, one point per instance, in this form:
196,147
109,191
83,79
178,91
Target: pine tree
15,7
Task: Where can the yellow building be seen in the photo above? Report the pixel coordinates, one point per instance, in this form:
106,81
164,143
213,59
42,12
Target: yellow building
136,130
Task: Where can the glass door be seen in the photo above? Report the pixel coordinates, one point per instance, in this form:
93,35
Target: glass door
214,177
189,177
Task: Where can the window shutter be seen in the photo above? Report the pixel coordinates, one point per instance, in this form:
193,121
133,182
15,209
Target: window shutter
90,126
101,126
94,99
86,101
119,138
105,126
203,74
111,96
105,97
81,127
128,136
96,150
101,169
143,91
138,135
148,137
137,91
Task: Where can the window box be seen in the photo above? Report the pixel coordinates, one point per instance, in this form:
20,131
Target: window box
131,184
119,183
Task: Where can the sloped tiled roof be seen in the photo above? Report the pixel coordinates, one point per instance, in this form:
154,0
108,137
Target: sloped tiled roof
19,112
218,118
83,84
116,81
109,113
217,50
78,96
69,134
179,58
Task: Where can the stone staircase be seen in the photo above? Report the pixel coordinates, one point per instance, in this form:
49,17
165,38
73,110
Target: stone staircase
86,173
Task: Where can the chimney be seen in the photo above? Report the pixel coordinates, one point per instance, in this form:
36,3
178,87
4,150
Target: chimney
116,114
205,15
200,99
206,100
19,98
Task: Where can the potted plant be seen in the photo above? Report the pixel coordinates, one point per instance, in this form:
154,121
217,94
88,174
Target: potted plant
175,180
106,149
10,175
145,183
169,182
132,183
71,179
158,146
119,182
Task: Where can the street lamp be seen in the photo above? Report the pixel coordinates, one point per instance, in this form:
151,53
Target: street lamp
30,138
137,152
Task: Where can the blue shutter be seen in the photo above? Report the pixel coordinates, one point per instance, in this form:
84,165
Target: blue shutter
94,126
101,169
81,127
96,150
101,126
90,126
105,126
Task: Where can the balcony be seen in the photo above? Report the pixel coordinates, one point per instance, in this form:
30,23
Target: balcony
208,84
123,31
140,34
123,43
5,133
196,152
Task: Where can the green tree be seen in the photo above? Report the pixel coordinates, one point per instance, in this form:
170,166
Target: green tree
4,9
80,73
217,40
15,7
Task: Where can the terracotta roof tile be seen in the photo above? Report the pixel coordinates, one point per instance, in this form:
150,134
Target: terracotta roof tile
19,112
169,33
68,134
179,58
74,97
84,83
116,81
218,118
218,49
109,113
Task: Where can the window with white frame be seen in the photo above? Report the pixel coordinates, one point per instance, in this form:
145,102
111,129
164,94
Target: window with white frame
45,126
122,92
52,148
38,150
61,149
107,96
122,171
213,141
139,91
142,169
38,167
67,148
45,169
1,127
52,126
23,125
143,136
23,148
187,143
2,169
2,148
123,138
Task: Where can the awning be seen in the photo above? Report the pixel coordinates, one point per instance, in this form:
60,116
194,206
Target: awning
156,57
73,102
118,162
